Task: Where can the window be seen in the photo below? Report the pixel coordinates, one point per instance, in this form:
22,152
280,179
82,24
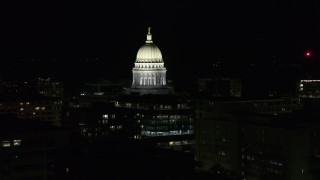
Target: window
6,143
104,122
17,142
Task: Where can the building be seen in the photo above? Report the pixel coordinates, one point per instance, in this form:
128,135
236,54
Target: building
258,139
274,147
16,87
163,116
103,120
30,149
221,126
49,88
309,89
100,91
220,87
32,106
309,93
149,72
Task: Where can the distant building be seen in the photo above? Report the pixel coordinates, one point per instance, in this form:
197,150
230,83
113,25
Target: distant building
163,116
309,92
274,147
149,72
30,149
49,88
103,120
205,85
220,87
103,87
309,89
16,87
146,110
32,107
101,91
221,134
167,119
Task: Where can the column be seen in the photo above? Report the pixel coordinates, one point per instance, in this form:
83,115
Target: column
133,81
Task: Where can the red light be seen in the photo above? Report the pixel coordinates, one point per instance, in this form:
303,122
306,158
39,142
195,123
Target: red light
308,54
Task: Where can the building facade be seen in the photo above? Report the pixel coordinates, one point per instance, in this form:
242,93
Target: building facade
149,72
31,149
163,116
256,139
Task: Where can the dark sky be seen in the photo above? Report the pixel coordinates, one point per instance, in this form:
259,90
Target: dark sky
186,31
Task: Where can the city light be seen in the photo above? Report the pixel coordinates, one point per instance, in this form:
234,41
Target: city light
308,54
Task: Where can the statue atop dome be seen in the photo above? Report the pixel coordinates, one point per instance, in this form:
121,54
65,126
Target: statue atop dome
149,36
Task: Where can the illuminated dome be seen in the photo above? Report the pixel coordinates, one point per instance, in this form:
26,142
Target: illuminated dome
149,52
149,72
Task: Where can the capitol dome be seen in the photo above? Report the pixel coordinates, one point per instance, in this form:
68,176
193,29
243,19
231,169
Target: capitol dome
149,52
149,72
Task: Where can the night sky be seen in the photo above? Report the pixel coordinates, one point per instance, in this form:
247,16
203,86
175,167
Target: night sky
189,33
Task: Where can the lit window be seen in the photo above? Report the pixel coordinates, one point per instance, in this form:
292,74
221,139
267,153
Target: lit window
6,143
43,108
17,142
105,116
21,109
37,108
